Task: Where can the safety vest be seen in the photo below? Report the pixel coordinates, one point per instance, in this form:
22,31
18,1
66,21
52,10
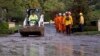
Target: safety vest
81,19
67,21
71,19
33,19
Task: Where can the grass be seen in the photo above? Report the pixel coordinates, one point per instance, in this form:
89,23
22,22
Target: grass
1,35
97,12
87,33
10,31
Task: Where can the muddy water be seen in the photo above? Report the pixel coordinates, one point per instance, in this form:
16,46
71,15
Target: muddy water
52,44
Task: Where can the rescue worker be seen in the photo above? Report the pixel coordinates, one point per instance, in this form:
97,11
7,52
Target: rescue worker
33,18
71,20
81,21
63,22
60,22
56,22
68,24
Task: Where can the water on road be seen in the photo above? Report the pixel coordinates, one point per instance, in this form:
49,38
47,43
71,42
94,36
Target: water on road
52,44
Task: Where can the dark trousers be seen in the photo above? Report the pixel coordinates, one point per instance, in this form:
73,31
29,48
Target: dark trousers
68,29
81,27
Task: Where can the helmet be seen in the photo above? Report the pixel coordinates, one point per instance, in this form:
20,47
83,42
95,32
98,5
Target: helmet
64,14
69,13
60,14
81,14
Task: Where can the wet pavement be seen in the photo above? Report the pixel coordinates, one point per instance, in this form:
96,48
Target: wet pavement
52,44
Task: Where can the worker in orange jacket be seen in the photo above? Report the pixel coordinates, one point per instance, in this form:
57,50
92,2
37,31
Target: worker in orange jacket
63,22
56,22
60,22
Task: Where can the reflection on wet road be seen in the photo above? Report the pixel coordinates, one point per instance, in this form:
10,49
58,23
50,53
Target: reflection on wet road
52,44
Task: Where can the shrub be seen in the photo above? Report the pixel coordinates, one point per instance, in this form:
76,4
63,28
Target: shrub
10,31
97,6
3,27
5,30
90,28
47,17
86,28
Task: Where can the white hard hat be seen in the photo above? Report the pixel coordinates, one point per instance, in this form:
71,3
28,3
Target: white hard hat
60,14
64,14
81,14
69,13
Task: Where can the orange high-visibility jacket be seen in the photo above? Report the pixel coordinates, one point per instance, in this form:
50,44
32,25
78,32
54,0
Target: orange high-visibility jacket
64,18
60,22
63,25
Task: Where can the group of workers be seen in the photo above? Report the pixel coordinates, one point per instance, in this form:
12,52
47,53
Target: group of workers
64,22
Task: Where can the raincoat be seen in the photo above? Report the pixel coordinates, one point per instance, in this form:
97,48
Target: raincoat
81,19
71,19
68,25
68,22
56,22
33,19
81,22
63,23
60,23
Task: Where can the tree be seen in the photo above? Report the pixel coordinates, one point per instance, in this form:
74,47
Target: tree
67,3
14,8
33,3
81,6
53,5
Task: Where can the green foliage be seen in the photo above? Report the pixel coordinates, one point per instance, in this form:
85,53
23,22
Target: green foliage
11,31
33,3
3,27
47,16
90,28
97,6
87,33
81,6
67,3
95,15
15,8
93,2
53,5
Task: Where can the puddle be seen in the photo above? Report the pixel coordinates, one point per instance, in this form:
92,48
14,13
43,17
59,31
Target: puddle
48,49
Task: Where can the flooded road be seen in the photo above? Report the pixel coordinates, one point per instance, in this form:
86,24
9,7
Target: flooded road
52,44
